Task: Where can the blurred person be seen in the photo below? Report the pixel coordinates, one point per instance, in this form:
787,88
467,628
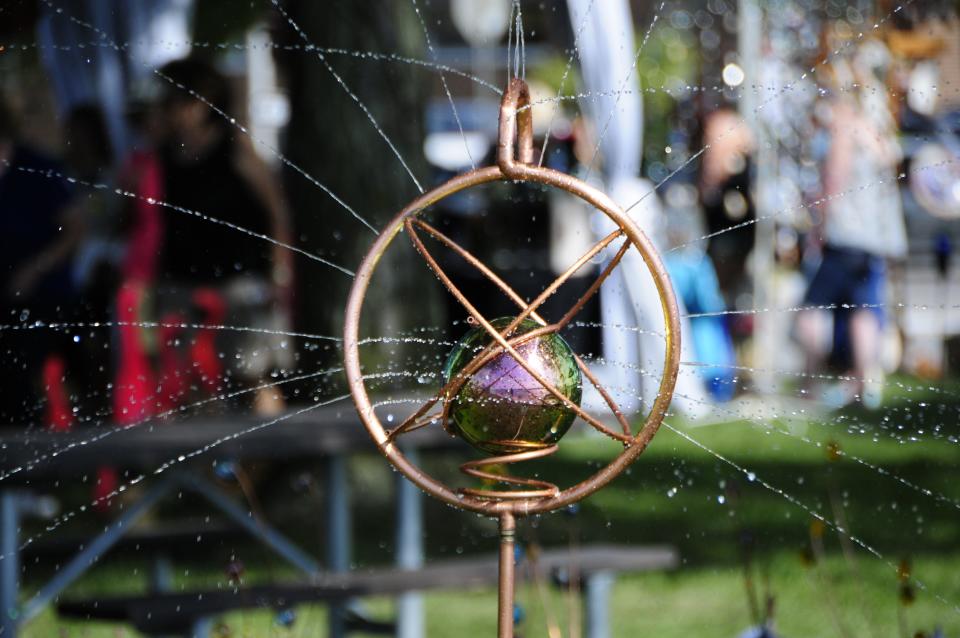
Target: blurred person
209,274
153,32
614,141
135,385
89,156
861,228
695,282
725,196
96,266
39,233
927,35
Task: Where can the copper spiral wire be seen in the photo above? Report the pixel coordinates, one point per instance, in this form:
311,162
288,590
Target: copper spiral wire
540,489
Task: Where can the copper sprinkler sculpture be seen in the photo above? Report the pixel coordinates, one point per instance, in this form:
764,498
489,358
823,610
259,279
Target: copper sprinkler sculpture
521,420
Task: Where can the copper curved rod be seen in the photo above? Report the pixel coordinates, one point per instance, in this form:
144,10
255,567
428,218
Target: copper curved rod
493,350
487,354
621,418
627,435
410,426
498,338
516,123
594,287
544,489
530,310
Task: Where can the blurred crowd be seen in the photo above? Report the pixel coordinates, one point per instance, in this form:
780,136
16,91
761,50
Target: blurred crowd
126,277
155,263
842,169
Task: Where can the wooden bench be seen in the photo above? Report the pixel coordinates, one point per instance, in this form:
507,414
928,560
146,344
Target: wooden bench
184,613
183,449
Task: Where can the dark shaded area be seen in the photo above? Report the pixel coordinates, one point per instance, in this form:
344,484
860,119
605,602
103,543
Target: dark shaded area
17,16
331,137
675,494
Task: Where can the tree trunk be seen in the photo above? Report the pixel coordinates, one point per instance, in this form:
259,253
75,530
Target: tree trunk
332,139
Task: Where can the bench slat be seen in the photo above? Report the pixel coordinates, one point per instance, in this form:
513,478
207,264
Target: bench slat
174,612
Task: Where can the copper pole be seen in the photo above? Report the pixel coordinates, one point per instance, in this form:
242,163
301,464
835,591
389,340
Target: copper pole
508,531
514,162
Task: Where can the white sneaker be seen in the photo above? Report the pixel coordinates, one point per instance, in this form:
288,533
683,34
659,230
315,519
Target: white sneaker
873,390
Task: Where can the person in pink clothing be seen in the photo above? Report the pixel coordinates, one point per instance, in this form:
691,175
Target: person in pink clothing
135,393
208,274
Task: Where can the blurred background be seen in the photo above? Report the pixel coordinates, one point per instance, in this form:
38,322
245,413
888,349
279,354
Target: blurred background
187,187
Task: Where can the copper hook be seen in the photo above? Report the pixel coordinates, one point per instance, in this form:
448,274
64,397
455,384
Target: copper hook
515,107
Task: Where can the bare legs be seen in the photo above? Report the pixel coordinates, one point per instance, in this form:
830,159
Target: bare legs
812,332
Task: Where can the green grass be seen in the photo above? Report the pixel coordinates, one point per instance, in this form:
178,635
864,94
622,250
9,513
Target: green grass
680,494
698,601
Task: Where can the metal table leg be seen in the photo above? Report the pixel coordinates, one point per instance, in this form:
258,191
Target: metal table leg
10,563
338,536
161,574
410,620
201,628
84,559
258,529
596,593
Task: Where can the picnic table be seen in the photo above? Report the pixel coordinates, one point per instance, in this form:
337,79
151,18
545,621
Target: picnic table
31,461
183,450
181,612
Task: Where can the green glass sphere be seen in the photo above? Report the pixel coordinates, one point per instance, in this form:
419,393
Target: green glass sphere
502,409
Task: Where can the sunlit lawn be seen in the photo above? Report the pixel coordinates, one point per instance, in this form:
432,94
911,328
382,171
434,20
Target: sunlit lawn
761,502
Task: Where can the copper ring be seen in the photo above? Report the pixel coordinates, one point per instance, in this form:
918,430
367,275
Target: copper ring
516,129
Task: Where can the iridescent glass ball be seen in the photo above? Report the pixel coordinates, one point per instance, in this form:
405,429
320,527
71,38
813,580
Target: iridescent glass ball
502,408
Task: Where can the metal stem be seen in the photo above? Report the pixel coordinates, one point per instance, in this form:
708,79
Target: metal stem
597,590
338,541
410,619
10,567
259,529
508,530
93,551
